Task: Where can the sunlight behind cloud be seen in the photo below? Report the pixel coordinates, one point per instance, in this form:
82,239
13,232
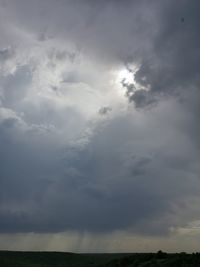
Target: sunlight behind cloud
125,75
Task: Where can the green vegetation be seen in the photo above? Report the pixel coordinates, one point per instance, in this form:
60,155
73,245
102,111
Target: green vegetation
61,259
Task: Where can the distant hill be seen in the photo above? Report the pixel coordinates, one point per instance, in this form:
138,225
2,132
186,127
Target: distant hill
61,259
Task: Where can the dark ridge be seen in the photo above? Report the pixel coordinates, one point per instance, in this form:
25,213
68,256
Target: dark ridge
69,259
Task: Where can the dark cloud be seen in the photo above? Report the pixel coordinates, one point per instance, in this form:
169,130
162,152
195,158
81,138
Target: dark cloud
104,110
114,183
172,67
6,53
65,168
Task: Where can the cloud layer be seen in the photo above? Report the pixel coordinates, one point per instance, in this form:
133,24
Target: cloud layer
83,148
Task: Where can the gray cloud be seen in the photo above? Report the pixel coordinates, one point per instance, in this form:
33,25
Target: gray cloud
64,167
172,66
6,53
124,179
104,110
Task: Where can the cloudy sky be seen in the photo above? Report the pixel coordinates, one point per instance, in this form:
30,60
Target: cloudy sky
99,125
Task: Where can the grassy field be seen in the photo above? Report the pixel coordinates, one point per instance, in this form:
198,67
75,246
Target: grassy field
61,259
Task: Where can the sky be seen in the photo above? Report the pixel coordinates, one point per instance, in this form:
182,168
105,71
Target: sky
99,125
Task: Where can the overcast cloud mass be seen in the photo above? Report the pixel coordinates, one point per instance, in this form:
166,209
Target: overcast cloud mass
99,124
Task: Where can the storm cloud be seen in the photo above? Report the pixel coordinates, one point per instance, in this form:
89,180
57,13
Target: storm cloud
99,116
